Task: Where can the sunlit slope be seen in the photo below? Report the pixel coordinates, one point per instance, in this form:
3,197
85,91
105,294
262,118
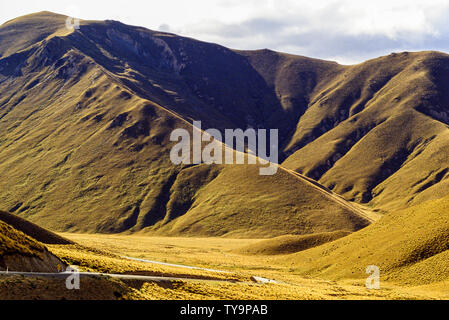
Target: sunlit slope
19,34
410,246
17,242
85,144
377,133
290,243
77,145
18,252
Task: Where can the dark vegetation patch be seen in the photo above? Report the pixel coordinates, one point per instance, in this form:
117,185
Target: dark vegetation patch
140,128
118,121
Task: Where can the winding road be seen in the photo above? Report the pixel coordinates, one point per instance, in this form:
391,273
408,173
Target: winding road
64,275
175,265
365,213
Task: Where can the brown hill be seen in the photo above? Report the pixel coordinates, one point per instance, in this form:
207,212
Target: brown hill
377,132
86,117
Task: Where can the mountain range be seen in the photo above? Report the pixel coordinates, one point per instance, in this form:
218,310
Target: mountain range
86,116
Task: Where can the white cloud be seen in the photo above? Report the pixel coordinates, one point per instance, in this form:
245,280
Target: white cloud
346,30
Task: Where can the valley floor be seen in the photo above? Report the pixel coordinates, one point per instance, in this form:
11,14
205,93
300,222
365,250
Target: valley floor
209,253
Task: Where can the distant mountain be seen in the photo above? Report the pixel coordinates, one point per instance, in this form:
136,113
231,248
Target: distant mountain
86,117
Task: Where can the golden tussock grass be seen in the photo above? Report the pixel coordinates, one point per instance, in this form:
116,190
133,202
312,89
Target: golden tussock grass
219,253
13,241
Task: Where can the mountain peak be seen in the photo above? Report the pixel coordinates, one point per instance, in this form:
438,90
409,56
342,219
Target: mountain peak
34,17
23,32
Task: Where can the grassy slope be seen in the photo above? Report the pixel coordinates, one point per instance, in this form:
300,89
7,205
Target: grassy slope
410,246
15,242
20,252
240,202
220,253
85,144
34,231
290,244
32,28
377,132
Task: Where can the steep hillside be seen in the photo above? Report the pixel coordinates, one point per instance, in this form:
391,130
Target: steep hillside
374,132
337,124
410,246
18,252
377,133
86,118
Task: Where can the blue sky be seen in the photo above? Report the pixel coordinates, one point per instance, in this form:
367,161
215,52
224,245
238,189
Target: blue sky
346,31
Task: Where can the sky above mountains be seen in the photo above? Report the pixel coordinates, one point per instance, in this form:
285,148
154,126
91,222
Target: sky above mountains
347,31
